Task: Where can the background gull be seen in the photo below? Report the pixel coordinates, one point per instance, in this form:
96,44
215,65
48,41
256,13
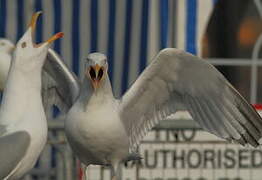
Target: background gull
6,49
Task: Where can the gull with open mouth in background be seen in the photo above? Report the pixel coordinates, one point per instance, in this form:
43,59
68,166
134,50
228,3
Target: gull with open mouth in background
103,130
23,126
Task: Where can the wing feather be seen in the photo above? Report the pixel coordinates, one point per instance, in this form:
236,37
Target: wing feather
60,85
176,77
13,148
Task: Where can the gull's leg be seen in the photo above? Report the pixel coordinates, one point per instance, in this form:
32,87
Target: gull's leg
84,170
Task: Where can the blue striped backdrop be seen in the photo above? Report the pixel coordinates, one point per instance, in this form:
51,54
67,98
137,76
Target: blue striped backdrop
129,32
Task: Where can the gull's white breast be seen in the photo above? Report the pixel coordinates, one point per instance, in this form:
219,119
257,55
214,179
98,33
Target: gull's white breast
96,133
22,110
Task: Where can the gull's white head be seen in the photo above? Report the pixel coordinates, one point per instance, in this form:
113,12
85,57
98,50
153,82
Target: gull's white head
6,46
96,68
27,51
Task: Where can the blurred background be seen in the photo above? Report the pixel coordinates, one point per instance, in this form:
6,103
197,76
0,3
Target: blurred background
131,33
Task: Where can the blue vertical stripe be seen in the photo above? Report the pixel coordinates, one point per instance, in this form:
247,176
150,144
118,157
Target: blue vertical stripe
20,19
128,20
75,36
2,17
57,43
164,23
94,25
111,37
214,2
57,24
39,32
143,35
191,24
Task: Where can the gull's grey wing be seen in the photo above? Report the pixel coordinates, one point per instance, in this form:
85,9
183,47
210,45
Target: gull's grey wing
60,86
12,149
174,77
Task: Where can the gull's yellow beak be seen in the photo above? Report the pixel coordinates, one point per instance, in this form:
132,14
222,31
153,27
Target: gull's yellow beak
34,20
33,26
96,74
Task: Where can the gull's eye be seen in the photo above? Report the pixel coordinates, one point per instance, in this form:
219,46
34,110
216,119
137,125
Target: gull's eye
92,73
100,73
23,45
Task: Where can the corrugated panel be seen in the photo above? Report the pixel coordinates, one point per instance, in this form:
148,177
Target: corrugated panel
129,32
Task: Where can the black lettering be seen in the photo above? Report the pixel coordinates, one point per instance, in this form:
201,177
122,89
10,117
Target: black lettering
175,135
201,178
256,158
157,135
242,157
177,158
194,155
219,159
238,178
223,178
153,163
164,157
209,156
230,162
189,136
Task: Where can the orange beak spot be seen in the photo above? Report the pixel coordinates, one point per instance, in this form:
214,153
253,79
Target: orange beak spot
55,37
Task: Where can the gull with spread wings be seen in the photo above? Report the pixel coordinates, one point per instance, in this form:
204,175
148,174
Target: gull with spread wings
103,130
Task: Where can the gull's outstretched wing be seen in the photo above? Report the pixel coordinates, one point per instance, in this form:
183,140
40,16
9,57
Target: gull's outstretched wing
176,76
12,149
60,86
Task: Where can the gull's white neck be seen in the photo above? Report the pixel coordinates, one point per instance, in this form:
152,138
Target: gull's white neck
89,96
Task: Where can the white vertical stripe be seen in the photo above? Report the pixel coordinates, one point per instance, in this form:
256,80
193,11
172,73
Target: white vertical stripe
181,24
204,11
103,28
66,41
135,41
119,46
48,19
28,12
153,30
11,20
84,34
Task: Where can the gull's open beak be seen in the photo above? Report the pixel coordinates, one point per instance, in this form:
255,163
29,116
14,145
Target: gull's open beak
96,74
33,26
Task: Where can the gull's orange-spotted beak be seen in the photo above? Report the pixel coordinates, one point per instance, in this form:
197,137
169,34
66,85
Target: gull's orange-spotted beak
33,26
96,74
